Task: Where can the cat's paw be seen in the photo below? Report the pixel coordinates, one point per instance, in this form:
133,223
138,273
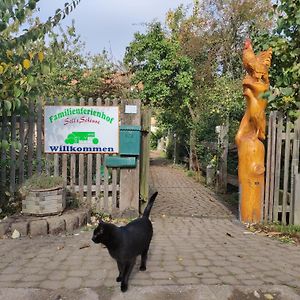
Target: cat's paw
119,279
124,287
142,268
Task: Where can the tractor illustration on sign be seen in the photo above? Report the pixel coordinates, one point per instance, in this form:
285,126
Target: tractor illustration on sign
76,137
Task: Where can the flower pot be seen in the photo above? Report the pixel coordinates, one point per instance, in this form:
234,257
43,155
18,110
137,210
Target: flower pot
43,202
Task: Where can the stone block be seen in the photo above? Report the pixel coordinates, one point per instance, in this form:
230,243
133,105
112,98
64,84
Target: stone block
39,227
4,228
22,227
82,218
72,222
56,225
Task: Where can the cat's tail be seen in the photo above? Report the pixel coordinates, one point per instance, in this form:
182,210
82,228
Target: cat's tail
149,205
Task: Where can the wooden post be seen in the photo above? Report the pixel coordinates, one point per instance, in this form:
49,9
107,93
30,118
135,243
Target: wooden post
295,179
129,178
274,169
222,168
145,155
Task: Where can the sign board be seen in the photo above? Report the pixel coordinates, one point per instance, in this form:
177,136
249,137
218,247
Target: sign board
130,109
81,129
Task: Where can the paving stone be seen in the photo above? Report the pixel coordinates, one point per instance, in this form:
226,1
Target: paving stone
51,284
72,283
188,280
160,275
182,274
39,227
228,279
27,284
78,273
210,281
58,275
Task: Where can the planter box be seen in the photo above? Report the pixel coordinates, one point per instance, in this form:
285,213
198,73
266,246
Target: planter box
44,202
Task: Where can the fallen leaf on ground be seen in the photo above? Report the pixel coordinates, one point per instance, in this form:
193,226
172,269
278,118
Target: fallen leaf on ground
229,234
268,296
85,246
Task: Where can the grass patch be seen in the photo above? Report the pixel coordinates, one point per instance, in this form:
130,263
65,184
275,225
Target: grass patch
283,233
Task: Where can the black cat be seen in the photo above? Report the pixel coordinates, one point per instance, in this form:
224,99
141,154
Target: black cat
125,243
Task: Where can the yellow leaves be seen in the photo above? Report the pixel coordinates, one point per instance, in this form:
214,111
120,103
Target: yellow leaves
41,56
3,67
31,55
9,54
26,63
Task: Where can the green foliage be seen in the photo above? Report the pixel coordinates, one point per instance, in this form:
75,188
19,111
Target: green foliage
285,67
21,55
166,75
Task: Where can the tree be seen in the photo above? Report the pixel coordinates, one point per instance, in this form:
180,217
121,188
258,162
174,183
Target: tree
21,55
284,39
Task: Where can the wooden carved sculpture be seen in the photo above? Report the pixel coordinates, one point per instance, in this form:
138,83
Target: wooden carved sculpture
251,132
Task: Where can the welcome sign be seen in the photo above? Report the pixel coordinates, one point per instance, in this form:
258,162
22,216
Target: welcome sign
81,129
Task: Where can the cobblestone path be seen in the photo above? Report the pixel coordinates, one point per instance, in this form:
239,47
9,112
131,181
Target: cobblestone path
197,242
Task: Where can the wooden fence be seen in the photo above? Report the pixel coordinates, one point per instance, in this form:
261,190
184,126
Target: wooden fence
85,174
282,192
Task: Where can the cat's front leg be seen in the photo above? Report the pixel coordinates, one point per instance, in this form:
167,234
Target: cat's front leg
121,270
127,271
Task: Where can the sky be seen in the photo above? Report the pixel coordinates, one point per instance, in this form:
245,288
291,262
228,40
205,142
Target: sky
110,24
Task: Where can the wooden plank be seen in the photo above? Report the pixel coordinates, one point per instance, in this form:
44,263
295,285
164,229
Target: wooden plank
145,154
64,158
73,164
223,147
13,154
295,180
89,170
39,137
81,167
296,212
98,173
286,171
22,142
272,169
3,151
114,175
129,178
277,166
30,139
48,156
56,156
107,103
268,168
